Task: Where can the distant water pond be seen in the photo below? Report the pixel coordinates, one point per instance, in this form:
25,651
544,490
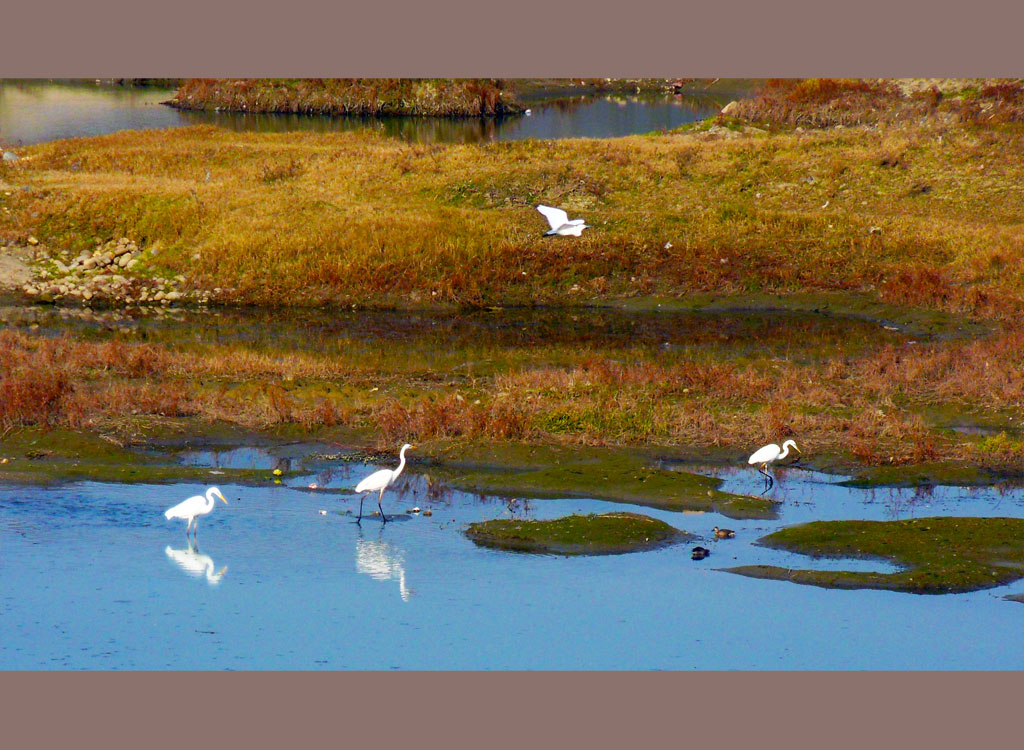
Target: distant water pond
37,111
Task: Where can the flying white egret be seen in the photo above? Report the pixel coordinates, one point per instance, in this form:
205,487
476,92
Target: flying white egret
194,507
766,455
195,563
380,480
560,224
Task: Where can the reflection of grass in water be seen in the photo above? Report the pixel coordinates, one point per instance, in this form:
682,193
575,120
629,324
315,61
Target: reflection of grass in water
486,343
940,555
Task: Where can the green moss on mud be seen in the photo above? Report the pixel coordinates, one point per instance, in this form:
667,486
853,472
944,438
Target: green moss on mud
940,555
952,473
618,475
42,456
606,534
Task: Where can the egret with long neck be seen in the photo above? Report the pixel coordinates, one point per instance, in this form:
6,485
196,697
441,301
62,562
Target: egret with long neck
767,455
196,506
380,480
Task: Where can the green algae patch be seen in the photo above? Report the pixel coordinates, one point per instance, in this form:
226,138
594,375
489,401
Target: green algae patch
951,473
939,555
37,456
606,534
626,476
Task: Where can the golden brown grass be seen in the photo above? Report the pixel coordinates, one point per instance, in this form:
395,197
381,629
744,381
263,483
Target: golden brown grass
829,102
917,214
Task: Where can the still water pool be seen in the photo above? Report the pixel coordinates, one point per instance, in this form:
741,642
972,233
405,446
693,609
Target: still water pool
33,111
93,577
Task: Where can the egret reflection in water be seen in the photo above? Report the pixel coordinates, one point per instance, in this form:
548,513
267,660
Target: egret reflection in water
382,561
195,563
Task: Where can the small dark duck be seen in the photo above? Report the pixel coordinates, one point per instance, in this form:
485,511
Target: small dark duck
724,533
699,553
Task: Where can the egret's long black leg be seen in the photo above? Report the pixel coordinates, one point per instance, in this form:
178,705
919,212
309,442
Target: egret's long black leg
382,516
359,518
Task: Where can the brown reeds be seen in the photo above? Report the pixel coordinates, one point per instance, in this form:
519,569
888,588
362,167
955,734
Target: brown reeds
349,96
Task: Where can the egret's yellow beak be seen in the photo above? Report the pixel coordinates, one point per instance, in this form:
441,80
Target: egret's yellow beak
414,446
797,449
224,499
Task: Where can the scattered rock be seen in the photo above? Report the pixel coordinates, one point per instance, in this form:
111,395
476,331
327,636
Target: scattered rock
89,276
731,107
717,131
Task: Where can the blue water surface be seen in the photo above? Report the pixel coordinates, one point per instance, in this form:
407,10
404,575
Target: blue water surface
94,577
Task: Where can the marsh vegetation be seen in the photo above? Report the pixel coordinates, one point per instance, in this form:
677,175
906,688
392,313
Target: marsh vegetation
834,260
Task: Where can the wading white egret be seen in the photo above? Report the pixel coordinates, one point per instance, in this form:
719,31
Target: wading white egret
767,455
380,480
194,507
560,224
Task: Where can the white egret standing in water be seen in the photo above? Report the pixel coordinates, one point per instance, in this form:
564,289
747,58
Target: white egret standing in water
560,224
194,507
380,480
766,455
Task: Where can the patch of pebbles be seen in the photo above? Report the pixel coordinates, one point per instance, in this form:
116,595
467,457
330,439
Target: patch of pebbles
104,275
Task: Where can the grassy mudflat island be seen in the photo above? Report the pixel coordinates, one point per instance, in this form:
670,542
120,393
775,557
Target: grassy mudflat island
433,97
940,555
605,534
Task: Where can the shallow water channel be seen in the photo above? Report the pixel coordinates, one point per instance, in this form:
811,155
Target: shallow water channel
94,577
33,111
